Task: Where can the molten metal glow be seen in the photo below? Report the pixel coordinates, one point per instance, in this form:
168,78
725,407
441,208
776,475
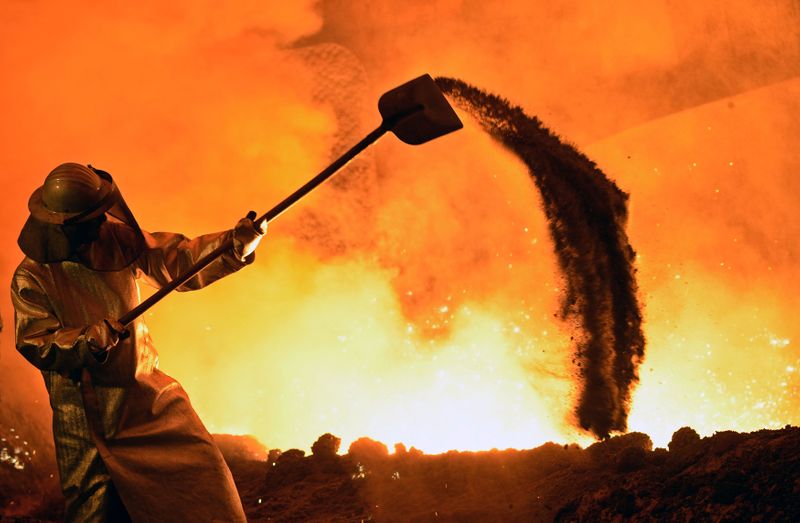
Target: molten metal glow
371,373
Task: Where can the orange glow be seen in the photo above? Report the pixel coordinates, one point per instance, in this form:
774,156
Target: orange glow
412,299
371,372
717,265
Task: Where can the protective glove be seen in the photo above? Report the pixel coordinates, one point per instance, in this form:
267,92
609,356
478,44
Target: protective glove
246,236
103,335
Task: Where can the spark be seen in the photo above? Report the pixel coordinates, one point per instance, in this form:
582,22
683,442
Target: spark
12,460
779,342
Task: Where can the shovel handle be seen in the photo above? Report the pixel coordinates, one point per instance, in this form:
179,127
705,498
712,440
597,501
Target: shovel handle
179,280
325,174
270,215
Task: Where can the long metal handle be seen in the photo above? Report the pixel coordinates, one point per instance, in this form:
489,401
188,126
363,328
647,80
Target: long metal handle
273,213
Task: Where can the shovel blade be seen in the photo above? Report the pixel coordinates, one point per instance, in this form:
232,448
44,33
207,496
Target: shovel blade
417,111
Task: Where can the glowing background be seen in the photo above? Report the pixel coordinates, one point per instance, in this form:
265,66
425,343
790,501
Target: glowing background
412,299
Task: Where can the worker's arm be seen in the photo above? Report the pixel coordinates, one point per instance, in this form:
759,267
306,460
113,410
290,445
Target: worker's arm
45,342
168,255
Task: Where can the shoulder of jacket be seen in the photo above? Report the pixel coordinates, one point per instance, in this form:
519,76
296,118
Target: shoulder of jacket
29,272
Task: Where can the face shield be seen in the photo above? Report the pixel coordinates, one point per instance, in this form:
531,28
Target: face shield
79,215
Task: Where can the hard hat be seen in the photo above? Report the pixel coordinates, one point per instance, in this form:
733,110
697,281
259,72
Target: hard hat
70,193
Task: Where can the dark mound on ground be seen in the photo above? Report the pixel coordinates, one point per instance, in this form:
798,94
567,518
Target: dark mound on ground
725,477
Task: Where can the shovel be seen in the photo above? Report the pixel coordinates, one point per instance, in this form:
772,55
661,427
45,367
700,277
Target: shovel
416,112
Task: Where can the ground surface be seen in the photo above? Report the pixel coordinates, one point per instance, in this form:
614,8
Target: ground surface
725,477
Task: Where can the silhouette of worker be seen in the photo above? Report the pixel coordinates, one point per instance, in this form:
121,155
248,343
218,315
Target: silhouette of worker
129,445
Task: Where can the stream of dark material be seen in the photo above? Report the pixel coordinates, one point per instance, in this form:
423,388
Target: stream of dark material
586,214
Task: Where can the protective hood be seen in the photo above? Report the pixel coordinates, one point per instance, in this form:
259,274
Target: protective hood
103,236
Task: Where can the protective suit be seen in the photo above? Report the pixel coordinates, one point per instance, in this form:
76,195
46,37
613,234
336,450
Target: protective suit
123,429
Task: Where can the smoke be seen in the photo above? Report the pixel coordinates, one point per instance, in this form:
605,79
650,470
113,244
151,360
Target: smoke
588,70
587,216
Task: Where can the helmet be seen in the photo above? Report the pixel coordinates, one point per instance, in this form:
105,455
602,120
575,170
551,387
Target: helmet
70,193
72,188
75,197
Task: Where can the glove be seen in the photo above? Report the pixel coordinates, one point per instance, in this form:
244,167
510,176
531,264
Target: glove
246,236
104,335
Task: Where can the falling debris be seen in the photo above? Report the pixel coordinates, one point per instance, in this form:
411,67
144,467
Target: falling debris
586,215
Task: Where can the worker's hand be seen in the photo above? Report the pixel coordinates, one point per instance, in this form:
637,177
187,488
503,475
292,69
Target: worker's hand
246,236
104,335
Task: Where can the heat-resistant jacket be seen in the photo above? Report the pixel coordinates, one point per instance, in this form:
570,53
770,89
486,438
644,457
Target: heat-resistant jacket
148,439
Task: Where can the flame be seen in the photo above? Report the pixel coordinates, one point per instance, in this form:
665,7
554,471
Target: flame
292,372
417,304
